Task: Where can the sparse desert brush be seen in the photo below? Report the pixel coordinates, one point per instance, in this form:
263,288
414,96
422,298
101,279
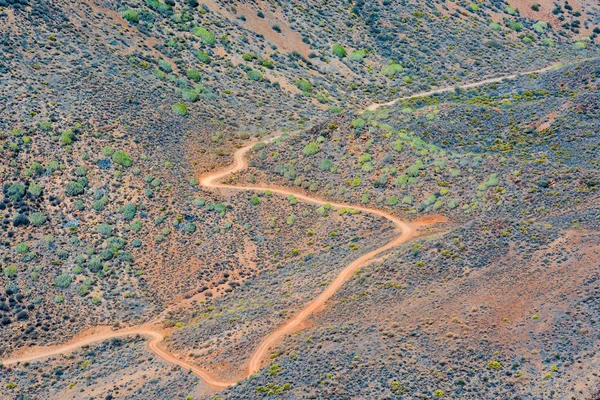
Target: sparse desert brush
122,158
130,15
189,95
304,85
338,51
194,75
391,70
205,35
165,66
203,57
254,75
179,109
311,148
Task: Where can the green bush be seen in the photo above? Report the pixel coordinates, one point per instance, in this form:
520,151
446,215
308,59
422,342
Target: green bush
540,26
325,164
37,219
131,15
514,25
392,70
494,365
74,189
179,109
95,264
122,158
203,57
22,248
194,75
136,225
165,66
67,137
311,149
46,126
495,26
304,85
358,55
63,281
16,191
254,200
83,290
248,57
104,229
34,190
10,271
254,75
338,51
189,95
392,201
205,35
190,227
129,211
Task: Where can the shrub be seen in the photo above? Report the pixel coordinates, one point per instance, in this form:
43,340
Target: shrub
392,70
37,219
514,25
190,227
94,264
189,95
46,126
63,281
438,393
338,51
248,57
494,365
311,149
358,123
104,229
357,55
129,211
10,271
254,75
34,190
194,75
203,57
540,26
122,158
74,189
325,164
304,85
495,26
16,191
131,15
22,248
67,137
473,7
205,35
165,66
136,225
392,201
254,200
179,109
83,290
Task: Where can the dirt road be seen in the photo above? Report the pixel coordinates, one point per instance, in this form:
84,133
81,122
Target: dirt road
406,231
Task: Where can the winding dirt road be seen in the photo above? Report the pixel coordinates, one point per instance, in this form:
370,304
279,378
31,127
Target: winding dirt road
213,180
471,85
